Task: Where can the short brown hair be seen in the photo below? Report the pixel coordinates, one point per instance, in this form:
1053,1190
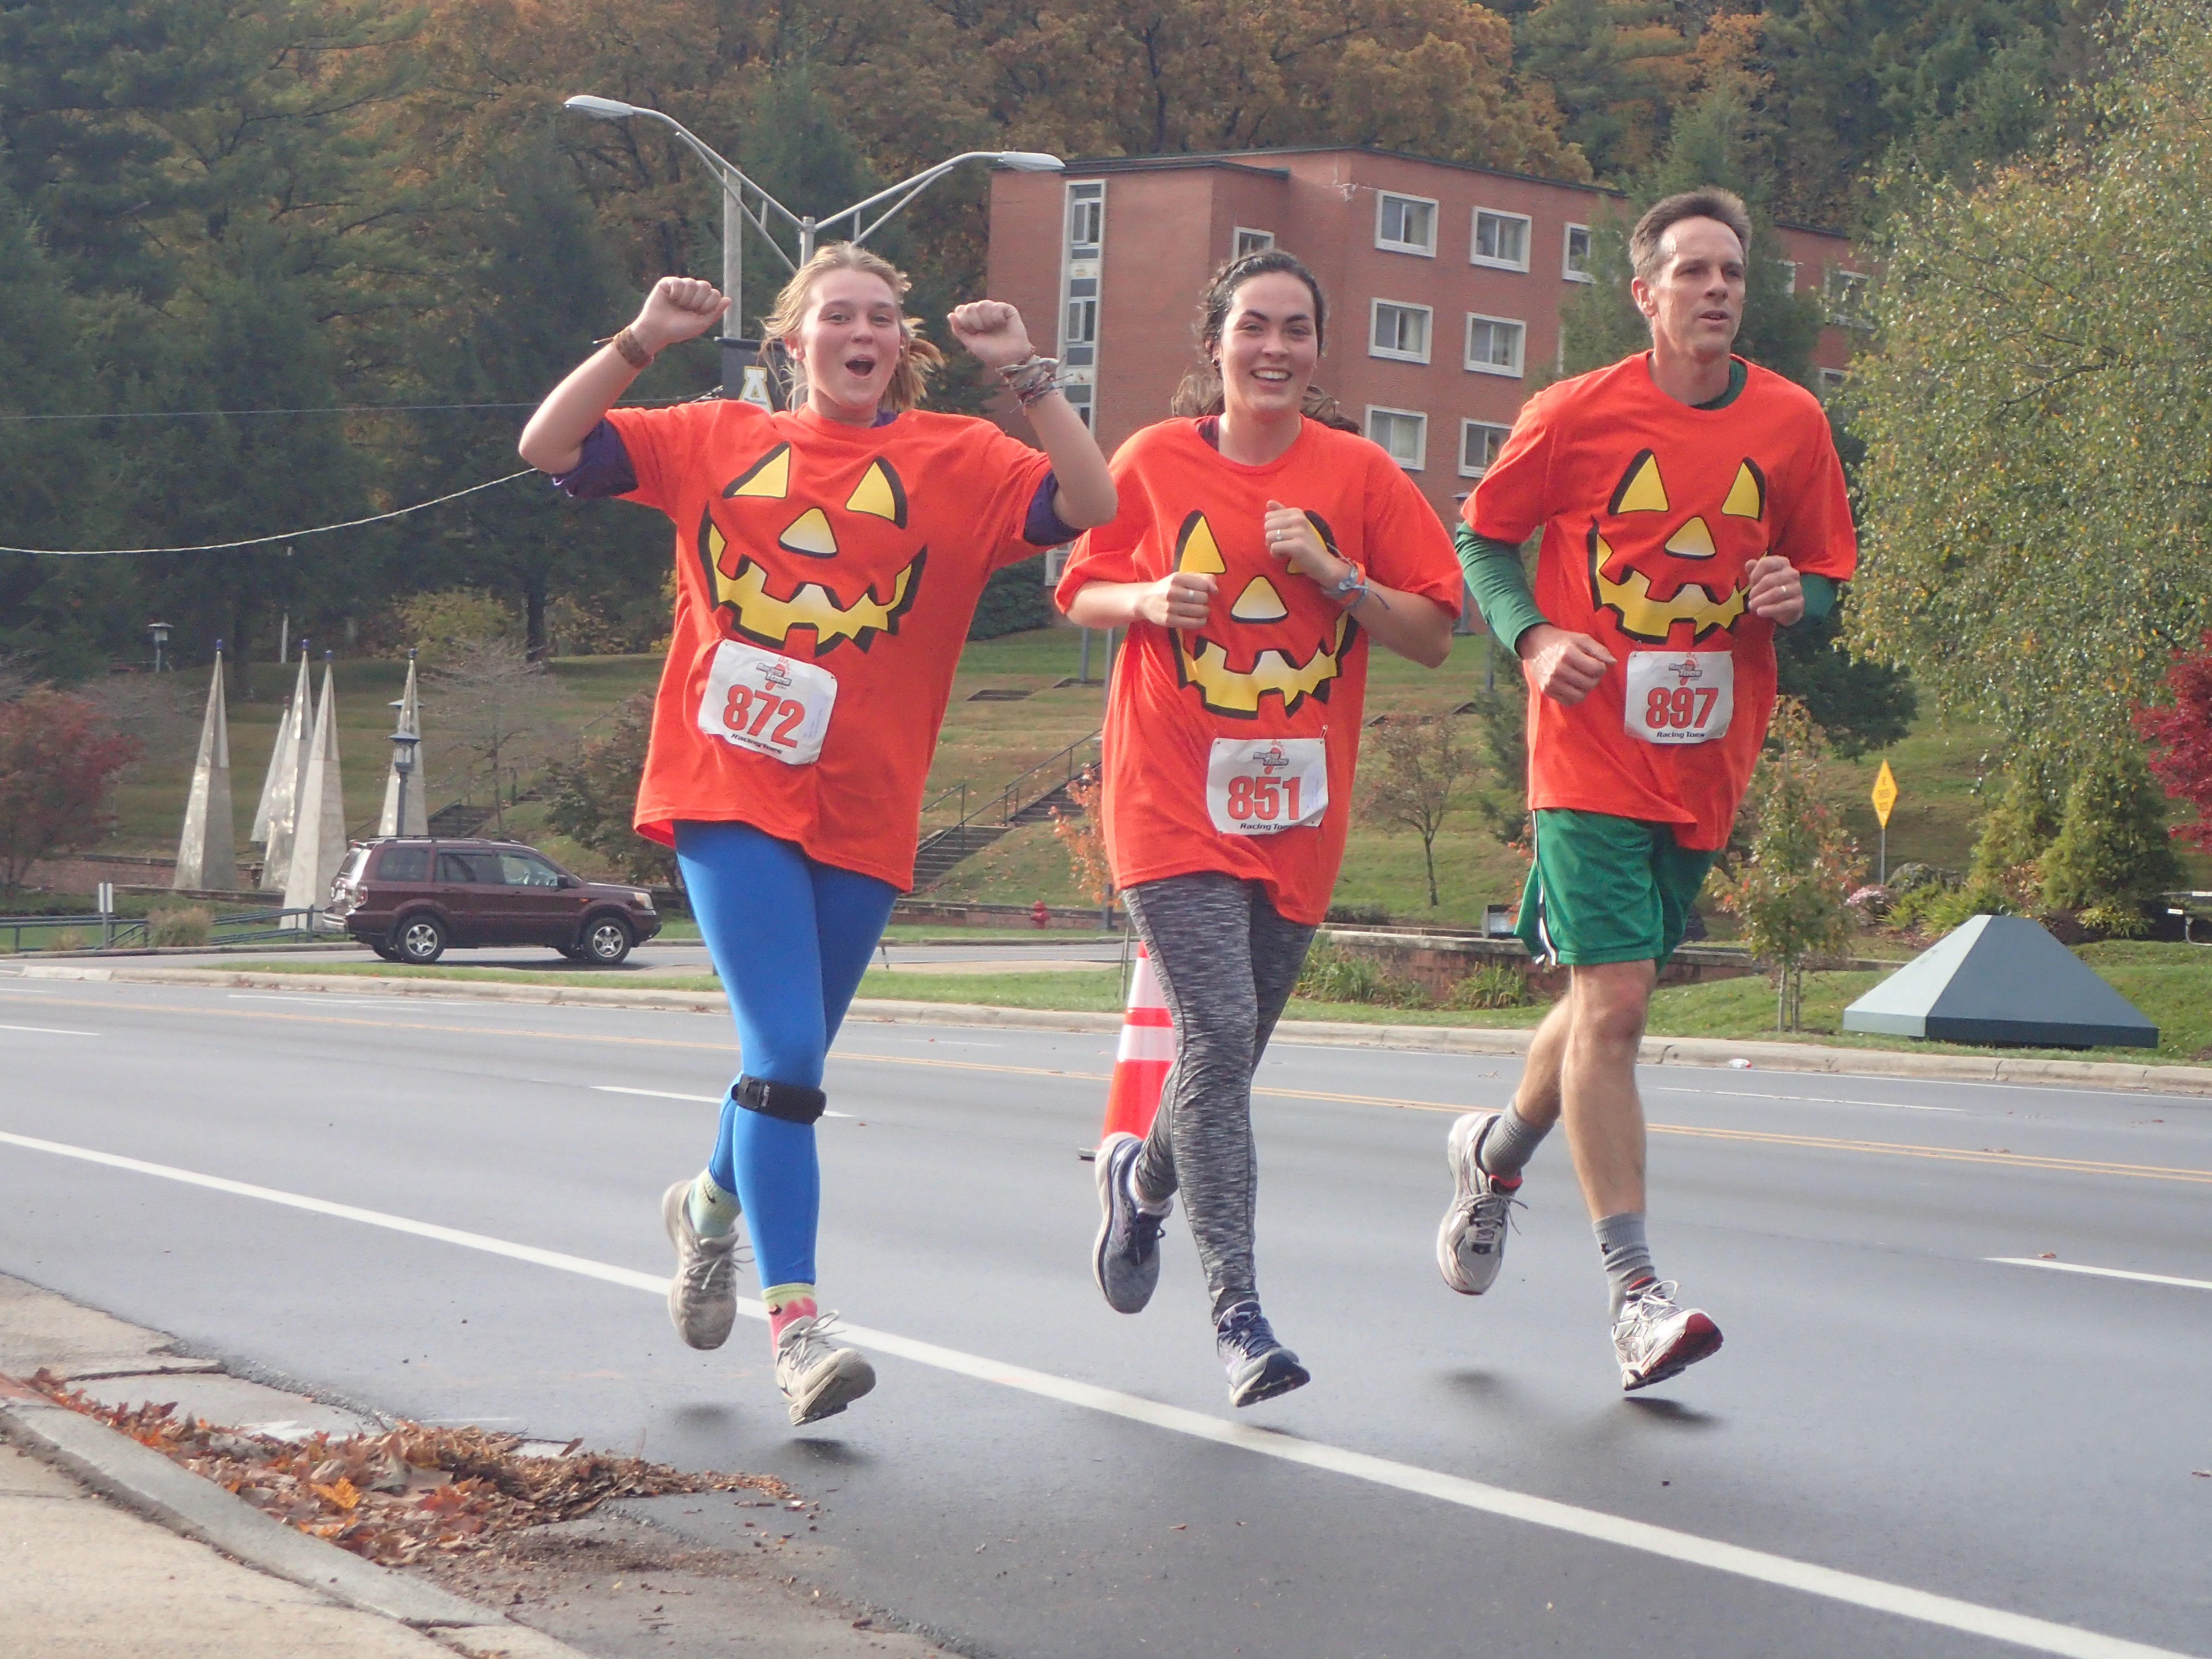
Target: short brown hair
1645,241
917,356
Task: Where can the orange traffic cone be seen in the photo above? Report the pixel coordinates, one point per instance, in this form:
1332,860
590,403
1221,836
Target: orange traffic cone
1140,1065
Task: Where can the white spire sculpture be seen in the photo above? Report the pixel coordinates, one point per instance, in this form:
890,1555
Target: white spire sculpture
288,770
261,811
419,817
206,856
319,830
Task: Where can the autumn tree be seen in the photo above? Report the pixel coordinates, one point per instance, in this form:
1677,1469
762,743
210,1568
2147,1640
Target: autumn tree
1419,770
55,766
2180,733
487,702
592,799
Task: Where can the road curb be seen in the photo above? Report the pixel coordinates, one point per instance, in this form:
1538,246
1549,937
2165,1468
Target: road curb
2124,1075
144,1481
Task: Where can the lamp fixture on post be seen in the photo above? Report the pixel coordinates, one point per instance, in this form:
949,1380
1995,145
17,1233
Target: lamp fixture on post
402,767
160,630
740,356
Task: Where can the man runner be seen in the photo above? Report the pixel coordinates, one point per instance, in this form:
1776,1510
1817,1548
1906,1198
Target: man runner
1690,503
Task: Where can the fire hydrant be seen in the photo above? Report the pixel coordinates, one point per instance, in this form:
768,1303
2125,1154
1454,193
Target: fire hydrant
1040,915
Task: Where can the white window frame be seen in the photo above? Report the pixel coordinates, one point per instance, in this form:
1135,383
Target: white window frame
1520,350
1567,271
1068,334
1080,380
1790,267
1374,349
1420,416
1261,240
1832,381
1468,428
1475,257
1382,200
1845,288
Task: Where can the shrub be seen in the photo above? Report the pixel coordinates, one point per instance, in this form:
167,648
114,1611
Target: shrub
188,926
1872,901
64,938
1493,985
2113,849
1907,877
2115,921
1359,916
1934,908
1334,975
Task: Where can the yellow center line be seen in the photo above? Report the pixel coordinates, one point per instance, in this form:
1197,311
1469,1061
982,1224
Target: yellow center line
1818,1143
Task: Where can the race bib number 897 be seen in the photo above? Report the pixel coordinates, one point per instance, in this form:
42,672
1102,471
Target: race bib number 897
771,704
1680,696
1259,787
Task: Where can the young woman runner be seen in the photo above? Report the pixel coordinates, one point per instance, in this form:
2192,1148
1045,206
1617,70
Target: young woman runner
1255,552
828,560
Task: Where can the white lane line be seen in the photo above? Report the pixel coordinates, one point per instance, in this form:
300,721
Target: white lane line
48,1031
1817,1100
2102,1273
2042,1635
663,1094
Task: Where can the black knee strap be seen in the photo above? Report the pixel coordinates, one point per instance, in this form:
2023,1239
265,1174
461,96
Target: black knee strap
792,1102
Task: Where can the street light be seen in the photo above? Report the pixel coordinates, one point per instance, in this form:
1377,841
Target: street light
402,763
737,352
160,630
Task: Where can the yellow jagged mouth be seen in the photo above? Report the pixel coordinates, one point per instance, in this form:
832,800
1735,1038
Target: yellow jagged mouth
744,604
1643,617
1224,690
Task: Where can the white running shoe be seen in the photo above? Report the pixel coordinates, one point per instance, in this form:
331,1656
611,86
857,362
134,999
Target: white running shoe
819,1378
1656,1339
1471,1241
702,1292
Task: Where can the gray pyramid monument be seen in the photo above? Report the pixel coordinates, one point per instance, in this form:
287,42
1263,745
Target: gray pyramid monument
319,828
206,857
2001,979
288,770
419,817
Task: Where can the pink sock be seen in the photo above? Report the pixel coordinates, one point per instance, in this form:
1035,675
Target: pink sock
781,1314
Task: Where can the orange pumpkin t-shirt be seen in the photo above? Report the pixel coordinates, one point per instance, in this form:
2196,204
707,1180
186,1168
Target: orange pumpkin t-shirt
805,548
1652,513
1213,736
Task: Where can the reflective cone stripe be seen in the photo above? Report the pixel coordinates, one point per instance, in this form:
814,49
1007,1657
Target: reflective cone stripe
1140,1064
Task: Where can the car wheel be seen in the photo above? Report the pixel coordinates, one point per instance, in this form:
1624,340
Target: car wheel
386,951
606,941
420,940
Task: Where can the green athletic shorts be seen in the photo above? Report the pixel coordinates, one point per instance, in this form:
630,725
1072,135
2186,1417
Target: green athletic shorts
1604,889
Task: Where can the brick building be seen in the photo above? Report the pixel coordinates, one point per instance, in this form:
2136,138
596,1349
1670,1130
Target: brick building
1444,282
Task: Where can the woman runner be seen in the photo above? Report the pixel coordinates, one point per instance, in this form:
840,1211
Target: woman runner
1255,550
828,560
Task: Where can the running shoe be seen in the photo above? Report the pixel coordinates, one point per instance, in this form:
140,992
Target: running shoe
819,1378
1655,1338
1126,1260
1260,1367
702,1292
1471,1241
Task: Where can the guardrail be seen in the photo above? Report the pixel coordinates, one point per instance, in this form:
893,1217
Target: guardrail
257,927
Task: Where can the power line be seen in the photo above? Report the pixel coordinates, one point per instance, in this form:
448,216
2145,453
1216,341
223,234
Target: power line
335,408
260,541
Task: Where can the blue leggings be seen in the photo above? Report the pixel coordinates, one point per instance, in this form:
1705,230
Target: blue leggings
791,938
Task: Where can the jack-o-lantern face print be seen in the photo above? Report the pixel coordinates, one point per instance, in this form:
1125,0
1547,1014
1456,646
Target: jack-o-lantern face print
770,576
1677,562
1264,647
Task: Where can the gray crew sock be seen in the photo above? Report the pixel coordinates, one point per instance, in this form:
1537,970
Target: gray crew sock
1508,1145
1627,1253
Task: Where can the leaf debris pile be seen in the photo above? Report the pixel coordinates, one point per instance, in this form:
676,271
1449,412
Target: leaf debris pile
394,1497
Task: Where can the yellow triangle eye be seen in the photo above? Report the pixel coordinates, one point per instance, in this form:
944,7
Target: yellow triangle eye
810,533
768,476
1692,541
1746,496
1197,549
1640,488
1259,603
880,495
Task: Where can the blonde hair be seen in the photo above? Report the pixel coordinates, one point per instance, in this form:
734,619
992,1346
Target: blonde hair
917,356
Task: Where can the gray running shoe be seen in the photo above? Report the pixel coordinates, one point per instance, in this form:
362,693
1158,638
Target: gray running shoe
1656,1339
1260,1367
703,1293
1471,1241
1126,1260
819,1378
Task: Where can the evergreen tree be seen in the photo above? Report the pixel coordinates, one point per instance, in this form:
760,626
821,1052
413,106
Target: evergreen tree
2112,850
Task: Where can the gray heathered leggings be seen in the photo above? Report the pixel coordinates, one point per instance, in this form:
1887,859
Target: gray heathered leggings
1226,963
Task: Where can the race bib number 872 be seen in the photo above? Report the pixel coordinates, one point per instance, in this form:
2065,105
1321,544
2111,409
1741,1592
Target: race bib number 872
771,704
1259,787
1680,696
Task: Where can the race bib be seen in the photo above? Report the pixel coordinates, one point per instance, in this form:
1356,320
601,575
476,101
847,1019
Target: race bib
1260,786
1679,696
771,704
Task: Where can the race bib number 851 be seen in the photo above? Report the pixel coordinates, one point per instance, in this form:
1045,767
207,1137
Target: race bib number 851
1680,696
1259,787
771,704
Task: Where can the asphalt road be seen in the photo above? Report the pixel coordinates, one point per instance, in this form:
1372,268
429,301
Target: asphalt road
1905,1444
691,957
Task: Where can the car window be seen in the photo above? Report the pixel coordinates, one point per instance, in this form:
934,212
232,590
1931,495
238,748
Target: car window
356,860
521,870
403,864
458,867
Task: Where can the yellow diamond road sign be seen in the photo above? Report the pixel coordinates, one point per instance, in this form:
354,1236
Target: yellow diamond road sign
1884,794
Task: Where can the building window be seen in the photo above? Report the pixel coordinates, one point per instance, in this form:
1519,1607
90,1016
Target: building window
1478,444
1086,216
1788,269
1401,331
1832,382
1403,434
1493,345
1848,293
1500,240
1251,241
1406,224
1082,324
1080,265
1575,261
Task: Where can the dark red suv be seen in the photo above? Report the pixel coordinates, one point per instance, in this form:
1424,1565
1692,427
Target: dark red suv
408,899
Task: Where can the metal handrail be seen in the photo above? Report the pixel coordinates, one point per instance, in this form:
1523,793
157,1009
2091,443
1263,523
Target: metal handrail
1005,802
254,926
959,789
